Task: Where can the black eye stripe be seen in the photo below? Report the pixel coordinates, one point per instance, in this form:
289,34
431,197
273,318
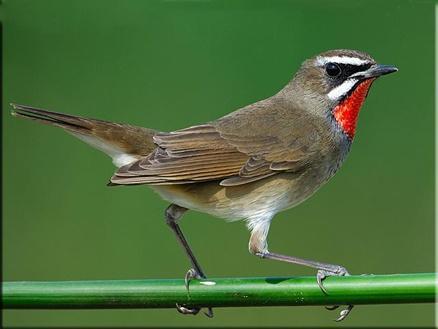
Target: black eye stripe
349,69
346,71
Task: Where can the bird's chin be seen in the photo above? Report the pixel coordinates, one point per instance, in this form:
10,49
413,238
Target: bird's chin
347,111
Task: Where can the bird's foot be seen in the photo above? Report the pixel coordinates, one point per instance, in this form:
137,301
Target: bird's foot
193,311
343,314
336,271
190,275
186,310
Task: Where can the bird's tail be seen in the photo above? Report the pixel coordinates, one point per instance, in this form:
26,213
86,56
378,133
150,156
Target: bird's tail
123,143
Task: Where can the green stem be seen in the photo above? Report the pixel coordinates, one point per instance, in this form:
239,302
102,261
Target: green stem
221,292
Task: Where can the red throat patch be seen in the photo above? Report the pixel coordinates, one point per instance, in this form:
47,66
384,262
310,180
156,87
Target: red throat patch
347,111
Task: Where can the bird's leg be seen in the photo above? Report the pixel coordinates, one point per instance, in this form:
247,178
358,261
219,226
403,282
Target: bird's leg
173,213
324,270
259,247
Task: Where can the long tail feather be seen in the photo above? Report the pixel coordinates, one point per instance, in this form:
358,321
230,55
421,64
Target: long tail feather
124,143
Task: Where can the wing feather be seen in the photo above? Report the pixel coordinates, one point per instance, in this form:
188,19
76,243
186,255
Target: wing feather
234,150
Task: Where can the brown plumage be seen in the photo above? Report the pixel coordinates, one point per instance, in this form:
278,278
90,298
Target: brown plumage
249,164
237,149
106,136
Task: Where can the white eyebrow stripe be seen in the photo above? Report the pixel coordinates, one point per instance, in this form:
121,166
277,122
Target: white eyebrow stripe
342,89
341,60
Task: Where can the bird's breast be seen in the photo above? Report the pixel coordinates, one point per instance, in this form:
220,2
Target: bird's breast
267,196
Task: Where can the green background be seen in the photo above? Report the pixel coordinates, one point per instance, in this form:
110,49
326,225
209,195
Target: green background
171,64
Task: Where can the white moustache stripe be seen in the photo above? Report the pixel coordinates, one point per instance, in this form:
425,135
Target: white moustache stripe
342,89
341,60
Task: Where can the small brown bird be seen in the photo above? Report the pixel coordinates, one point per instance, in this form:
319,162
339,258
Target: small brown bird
250,164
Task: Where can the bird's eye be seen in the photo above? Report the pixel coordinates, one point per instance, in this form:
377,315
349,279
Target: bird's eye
332,69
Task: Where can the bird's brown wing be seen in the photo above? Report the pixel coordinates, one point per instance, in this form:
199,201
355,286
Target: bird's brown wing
190,155
234,150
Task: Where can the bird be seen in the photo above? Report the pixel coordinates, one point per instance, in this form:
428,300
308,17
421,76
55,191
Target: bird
248,165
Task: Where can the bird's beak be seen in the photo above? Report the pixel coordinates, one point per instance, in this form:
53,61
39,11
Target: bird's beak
375,71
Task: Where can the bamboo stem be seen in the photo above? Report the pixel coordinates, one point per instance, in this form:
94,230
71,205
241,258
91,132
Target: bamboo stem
221,292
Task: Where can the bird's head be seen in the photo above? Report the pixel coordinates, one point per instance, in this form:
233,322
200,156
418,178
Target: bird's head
336,83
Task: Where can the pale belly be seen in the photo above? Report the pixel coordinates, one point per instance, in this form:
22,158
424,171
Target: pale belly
258,199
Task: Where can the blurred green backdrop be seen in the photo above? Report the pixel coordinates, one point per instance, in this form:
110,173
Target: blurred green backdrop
170,64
